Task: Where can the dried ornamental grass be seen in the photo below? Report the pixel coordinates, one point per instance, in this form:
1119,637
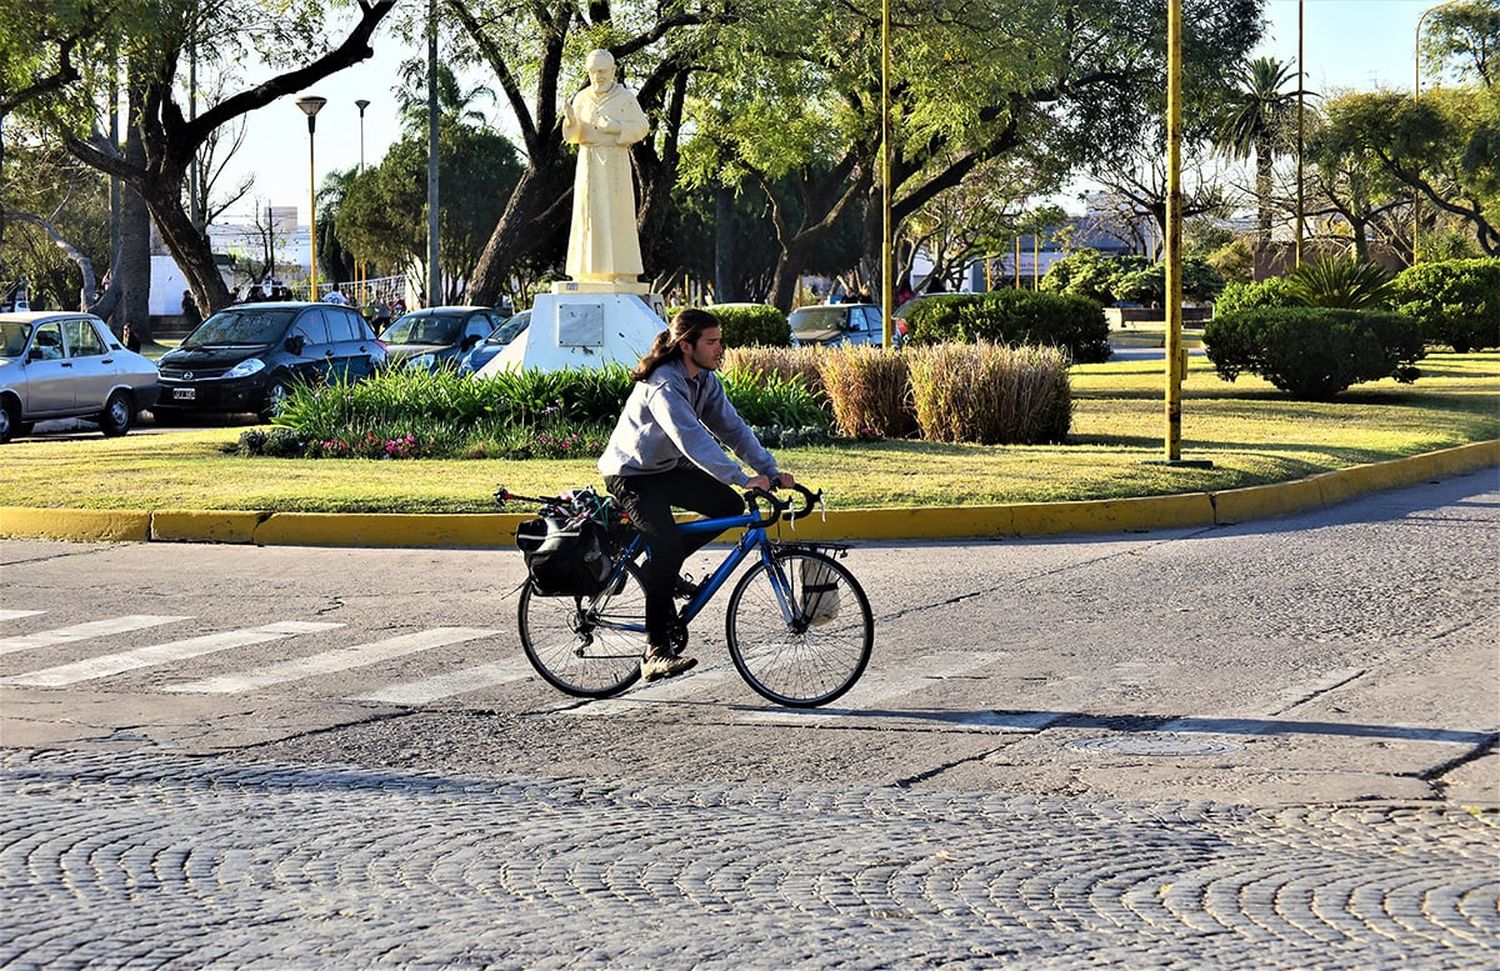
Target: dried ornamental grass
783,362
991,394
869,391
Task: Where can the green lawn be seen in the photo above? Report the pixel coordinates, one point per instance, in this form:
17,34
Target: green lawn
1251,432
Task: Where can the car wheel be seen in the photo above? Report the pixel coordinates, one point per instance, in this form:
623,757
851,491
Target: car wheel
276,393
10,421
118,414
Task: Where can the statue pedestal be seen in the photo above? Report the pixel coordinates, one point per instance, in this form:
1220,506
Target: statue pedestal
581,329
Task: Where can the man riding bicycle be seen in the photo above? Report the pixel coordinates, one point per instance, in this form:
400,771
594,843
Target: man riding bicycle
663,454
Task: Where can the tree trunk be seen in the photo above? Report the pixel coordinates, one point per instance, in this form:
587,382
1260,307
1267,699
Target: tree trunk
1263,171
188,246
134,270
725,290
788,271
521,229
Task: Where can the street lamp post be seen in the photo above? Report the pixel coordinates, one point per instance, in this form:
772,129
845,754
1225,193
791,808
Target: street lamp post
359,265
310,106
1416,94
887,264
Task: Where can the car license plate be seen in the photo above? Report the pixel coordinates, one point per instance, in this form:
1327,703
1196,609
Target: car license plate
184,394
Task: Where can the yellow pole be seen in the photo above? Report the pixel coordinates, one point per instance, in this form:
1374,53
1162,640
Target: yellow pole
1301,108
989,283
1036,261
888,332
1174,231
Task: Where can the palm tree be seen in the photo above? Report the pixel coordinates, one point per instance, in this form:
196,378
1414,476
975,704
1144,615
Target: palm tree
1257,120
455,103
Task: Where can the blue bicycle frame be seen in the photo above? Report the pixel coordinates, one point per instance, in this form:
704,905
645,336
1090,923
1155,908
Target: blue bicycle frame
754,537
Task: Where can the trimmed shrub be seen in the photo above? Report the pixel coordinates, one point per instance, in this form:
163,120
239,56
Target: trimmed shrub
869,391
1015,317
1345,284
1456,302
1089,273
1200,281
991,394
1273,291
1313,353
751,324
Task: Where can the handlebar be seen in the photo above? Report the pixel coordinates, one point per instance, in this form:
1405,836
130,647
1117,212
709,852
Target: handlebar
782,508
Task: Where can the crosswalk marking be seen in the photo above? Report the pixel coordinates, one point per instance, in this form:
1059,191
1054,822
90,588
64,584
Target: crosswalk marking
452,683
341,659
671,689
876,688
93,668
82,632
18,614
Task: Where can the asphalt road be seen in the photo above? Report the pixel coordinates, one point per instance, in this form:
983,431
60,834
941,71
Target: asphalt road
1270,745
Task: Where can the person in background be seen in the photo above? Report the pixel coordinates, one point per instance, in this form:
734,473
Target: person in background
191,318
256,294
335,297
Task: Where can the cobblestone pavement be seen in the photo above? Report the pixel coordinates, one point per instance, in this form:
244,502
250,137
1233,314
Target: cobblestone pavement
159,860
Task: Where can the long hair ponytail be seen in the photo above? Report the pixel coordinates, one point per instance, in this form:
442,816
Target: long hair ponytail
688,325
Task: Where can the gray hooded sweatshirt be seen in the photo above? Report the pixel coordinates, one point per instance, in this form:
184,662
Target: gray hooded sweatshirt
667,420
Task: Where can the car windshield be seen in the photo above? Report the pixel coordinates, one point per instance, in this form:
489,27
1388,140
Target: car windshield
241,327
424,329
811,318
509,330
13,336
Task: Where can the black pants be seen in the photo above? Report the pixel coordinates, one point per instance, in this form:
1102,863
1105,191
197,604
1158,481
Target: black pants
648,499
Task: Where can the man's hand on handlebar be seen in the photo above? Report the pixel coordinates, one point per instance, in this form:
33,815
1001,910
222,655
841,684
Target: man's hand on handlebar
784,480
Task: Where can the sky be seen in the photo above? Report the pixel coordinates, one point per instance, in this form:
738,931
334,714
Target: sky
1350,44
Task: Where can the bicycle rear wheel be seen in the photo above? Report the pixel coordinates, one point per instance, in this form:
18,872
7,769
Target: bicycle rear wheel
822,651
589,647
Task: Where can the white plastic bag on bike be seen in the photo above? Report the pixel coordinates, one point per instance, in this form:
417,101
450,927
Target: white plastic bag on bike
820,592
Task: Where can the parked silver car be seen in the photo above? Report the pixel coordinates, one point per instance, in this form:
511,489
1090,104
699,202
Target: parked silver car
60,364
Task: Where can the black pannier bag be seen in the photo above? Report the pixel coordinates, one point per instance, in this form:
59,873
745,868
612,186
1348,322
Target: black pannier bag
565,559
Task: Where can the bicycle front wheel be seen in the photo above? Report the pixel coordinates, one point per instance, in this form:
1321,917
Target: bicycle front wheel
800,633
590,647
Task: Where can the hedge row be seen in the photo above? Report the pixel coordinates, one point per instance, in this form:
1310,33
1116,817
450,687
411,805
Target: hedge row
1454,302
1014,317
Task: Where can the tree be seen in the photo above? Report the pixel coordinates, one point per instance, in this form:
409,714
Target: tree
1041,84
1464,37
380,214
1257,121
1445,145
62,210
150,38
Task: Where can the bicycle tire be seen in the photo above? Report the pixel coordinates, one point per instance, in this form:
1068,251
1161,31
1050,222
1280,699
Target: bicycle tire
575,656
770,654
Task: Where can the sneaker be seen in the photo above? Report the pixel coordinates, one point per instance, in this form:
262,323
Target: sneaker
664,665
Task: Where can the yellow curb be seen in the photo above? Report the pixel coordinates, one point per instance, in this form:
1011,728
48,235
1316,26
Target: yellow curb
1266,501
464,530
208,526
79,525
1327,488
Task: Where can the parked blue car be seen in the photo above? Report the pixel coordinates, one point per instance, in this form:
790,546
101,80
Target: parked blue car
438,337
486,349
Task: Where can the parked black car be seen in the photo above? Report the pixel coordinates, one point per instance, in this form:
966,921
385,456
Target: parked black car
438,336
245,358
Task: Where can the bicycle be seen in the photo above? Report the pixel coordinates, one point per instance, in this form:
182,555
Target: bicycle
798,624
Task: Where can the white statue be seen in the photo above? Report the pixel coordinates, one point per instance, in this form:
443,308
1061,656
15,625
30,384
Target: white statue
604,120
